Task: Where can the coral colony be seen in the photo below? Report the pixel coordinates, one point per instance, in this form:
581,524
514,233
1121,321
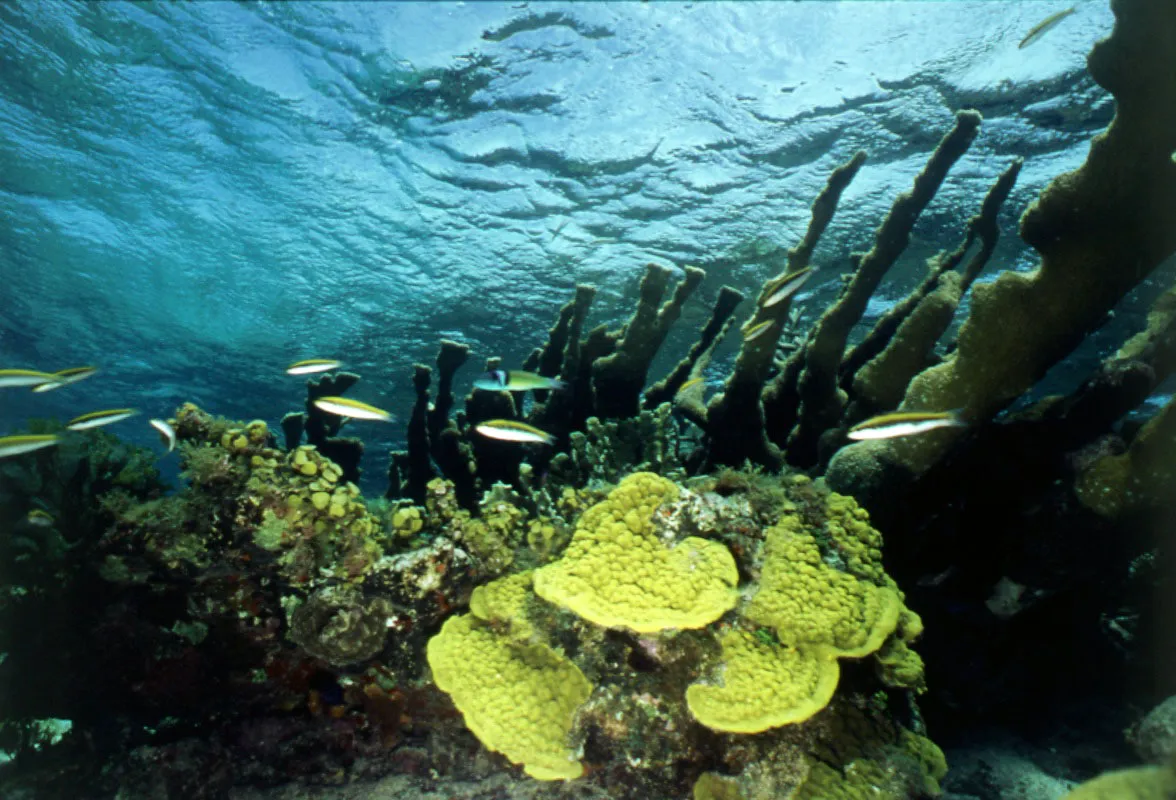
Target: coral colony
624,584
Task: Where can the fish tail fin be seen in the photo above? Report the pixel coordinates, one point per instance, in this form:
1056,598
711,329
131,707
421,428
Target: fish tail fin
558,385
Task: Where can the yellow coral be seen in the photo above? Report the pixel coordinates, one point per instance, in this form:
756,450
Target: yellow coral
519,700
406,521
617,573
712,786
257,431
897,664
811,604
849,529
765,685
505,601
1141,783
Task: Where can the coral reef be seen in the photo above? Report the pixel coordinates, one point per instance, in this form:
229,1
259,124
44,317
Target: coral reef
649,579
659,602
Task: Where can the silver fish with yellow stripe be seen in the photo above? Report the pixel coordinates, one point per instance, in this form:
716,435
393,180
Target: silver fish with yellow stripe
15,445
65,377
96,419
787,286
346,407
515,380
905,423
24,377
167,434
510,430
313,365
39,518
1044,27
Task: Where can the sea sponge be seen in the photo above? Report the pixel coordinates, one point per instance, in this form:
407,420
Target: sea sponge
618,573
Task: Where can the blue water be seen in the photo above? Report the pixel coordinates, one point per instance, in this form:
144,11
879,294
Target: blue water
192,196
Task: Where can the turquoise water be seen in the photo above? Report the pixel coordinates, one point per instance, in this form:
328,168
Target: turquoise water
194,196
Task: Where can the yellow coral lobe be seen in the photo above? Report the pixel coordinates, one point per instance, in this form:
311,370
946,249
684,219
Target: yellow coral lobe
1140,783
618,574
505,601
810,603
764,685
519,700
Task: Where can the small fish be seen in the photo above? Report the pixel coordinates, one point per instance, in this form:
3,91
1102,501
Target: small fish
936,579
42,519
787,286
1044,27
509,430
167,434
24,377
312,365
65,377
905,423
757,330
688,385
96,419
501,380
15,445
346,407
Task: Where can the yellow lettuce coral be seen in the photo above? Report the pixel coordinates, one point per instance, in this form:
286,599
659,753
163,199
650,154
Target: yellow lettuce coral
618,573
505,602
860,544
812,604
1140,783
819,614
765,685
519,700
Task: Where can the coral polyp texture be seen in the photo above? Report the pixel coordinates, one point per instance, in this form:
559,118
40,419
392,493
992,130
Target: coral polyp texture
764,684
518,698
620,572
812,605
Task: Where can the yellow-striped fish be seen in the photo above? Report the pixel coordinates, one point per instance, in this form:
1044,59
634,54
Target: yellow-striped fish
65,377
346,407
15,445
509,430
167,434
1044,27
787,286
905,423
96,419
24,377
515,380
757,330
40,518
312,365
688,385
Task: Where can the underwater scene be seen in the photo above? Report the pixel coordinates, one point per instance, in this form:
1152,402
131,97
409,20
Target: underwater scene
635,401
